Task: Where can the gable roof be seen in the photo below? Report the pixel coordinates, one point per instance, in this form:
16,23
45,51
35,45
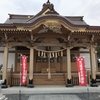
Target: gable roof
48,8
75,20
47,11
14,18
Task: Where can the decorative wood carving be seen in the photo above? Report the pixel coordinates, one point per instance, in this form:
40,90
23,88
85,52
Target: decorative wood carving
50,40
51,44
52,25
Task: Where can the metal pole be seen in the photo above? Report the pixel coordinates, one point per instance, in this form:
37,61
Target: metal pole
19,95
87,84
20,76
88,94
20,67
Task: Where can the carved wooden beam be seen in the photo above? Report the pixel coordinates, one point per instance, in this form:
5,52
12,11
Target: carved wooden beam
80,36
50,44
34,31
65,30
11,44
87,45
50,35
97,36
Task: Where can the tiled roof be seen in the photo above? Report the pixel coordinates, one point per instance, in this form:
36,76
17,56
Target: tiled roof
29,19
48,12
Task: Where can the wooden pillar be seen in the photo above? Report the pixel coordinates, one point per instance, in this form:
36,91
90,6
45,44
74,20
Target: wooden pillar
31,68
5,65
16,58
93,67
69,82
61,64
35,54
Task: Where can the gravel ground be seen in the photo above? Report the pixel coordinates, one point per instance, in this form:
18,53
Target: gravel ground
83,96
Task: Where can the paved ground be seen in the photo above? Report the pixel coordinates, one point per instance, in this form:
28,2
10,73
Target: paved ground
52,93
50,89
54,97
67,96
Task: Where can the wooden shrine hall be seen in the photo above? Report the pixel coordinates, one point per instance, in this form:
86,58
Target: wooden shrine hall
51,42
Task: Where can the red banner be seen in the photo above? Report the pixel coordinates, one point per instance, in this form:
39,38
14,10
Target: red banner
81,71
24,70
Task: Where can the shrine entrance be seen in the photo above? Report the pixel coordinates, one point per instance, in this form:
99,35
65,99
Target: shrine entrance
52,41
50,64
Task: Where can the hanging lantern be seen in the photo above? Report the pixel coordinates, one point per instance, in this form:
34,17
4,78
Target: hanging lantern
38,53
61,53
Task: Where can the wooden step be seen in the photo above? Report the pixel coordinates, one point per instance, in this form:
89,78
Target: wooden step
49,82
45,77
52,79
42,79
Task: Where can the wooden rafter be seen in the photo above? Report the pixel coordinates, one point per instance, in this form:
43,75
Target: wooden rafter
65,31
36,30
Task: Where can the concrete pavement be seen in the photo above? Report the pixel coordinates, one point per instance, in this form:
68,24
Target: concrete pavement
50,89
54,97
54,92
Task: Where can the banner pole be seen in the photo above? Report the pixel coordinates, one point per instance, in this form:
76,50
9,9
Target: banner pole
88,97
20,67
20,76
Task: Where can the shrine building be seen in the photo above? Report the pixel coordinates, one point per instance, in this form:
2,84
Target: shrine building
52,43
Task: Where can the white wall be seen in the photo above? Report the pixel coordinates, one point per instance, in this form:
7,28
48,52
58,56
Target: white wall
86,59
11,60
11,57
84,49
1,58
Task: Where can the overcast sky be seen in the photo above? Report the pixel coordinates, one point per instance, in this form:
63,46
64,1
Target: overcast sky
90,9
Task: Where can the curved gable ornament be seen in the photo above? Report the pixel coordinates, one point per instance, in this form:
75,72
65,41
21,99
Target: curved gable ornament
52,25
52,22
